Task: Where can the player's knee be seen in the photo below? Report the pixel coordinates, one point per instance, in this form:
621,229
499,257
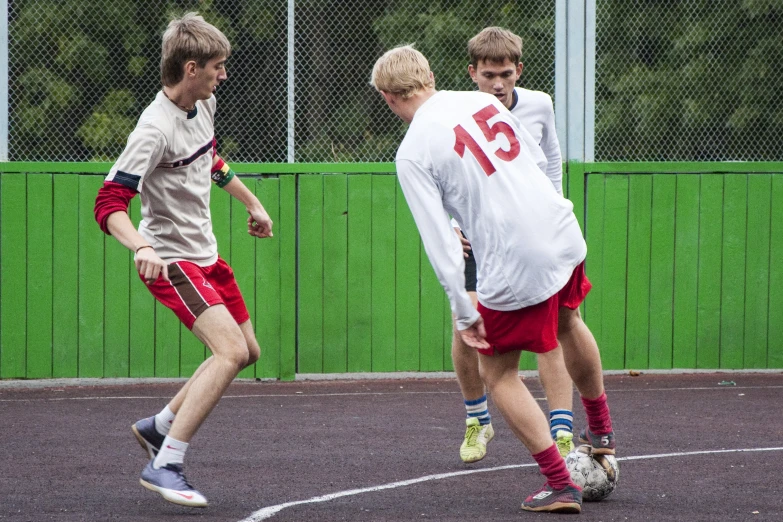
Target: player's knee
567,320
253,353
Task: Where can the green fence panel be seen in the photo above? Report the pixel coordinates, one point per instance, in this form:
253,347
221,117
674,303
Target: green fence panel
311,273
757,272
614,269
65,283
39,278
359,273
287,238
434,339
267,319
243,262
407,269
594,264
384,190
118,278
686,271
662,270
142,317
637,331
91,282
775,317
709,288
13,276
732,320
335,271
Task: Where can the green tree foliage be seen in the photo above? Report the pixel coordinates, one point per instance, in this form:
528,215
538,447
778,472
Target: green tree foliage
689,80
676,79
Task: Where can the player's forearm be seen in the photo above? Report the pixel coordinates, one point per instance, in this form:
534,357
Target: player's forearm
238,190
121,227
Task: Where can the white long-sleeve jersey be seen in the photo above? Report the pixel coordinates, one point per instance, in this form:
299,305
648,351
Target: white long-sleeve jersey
466,156
535,112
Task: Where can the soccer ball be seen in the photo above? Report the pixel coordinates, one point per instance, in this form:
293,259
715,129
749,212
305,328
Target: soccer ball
597,475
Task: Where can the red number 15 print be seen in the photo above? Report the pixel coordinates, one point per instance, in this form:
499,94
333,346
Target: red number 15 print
491,133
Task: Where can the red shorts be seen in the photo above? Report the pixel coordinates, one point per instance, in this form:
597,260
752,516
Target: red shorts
533,328
191,289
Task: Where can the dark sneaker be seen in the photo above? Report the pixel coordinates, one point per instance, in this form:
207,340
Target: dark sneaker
601,444
566,500
148,436
171,483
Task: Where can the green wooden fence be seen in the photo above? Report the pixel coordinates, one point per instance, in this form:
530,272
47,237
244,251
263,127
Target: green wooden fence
685,260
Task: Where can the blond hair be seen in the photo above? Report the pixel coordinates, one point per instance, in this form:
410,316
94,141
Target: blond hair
190,38
495,44
402,71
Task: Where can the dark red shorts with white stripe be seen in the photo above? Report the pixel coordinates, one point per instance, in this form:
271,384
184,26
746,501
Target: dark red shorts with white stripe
191,289
533,328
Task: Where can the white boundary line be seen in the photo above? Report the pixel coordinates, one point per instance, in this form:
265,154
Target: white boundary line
268,512
360,394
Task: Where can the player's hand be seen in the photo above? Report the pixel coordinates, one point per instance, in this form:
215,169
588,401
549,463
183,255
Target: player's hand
475,336
258,223
150,266
465,243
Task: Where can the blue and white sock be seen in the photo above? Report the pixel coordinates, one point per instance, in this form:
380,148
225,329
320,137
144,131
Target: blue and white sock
561,420
478,409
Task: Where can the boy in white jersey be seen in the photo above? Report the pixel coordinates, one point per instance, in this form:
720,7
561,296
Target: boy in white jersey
463,155
171,161
495,67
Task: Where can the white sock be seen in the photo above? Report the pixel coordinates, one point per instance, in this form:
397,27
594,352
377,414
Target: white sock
163,420
172,451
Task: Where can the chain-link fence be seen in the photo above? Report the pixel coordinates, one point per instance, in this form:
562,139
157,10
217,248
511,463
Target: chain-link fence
684,80
81,71
675,79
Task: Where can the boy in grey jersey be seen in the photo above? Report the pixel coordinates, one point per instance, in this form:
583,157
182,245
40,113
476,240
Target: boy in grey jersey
171,161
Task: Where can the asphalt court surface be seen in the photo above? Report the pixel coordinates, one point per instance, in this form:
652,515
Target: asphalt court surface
699,447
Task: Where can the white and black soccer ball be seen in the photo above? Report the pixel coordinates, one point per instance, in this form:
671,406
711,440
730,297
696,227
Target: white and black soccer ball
597,475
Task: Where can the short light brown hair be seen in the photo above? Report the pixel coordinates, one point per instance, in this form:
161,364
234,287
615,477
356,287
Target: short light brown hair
495,44
190,38
402,71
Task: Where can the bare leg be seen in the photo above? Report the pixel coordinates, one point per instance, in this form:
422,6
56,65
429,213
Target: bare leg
513,399
230,353
580,352
555,379
466,364
254,352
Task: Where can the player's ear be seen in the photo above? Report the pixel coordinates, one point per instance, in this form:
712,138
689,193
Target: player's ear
190,68
520,66
472,73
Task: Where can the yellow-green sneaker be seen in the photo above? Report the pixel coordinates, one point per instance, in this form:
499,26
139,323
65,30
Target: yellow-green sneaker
474,447
564,440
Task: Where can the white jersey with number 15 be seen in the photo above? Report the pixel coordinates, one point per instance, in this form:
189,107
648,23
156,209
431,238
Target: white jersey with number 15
465,155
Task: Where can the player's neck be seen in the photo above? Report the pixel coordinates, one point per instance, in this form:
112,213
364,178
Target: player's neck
416,101
179,98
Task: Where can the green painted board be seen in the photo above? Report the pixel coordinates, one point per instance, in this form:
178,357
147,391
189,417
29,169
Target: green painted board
775,321
594,224
287,237
167,342
359,273
267,319
662,270
447,323
732,320
311,273
709,286
637,331
39,278
384,190
220,211
335,273
406,287
65,263
757,272
91,281
435,340
243,261
120,274
142,314
686,271
614,271
13,276
575,191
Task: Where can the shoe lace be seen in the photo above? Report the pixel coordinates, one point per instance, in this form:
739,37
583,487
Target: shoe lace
178,471
563,442
472,434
